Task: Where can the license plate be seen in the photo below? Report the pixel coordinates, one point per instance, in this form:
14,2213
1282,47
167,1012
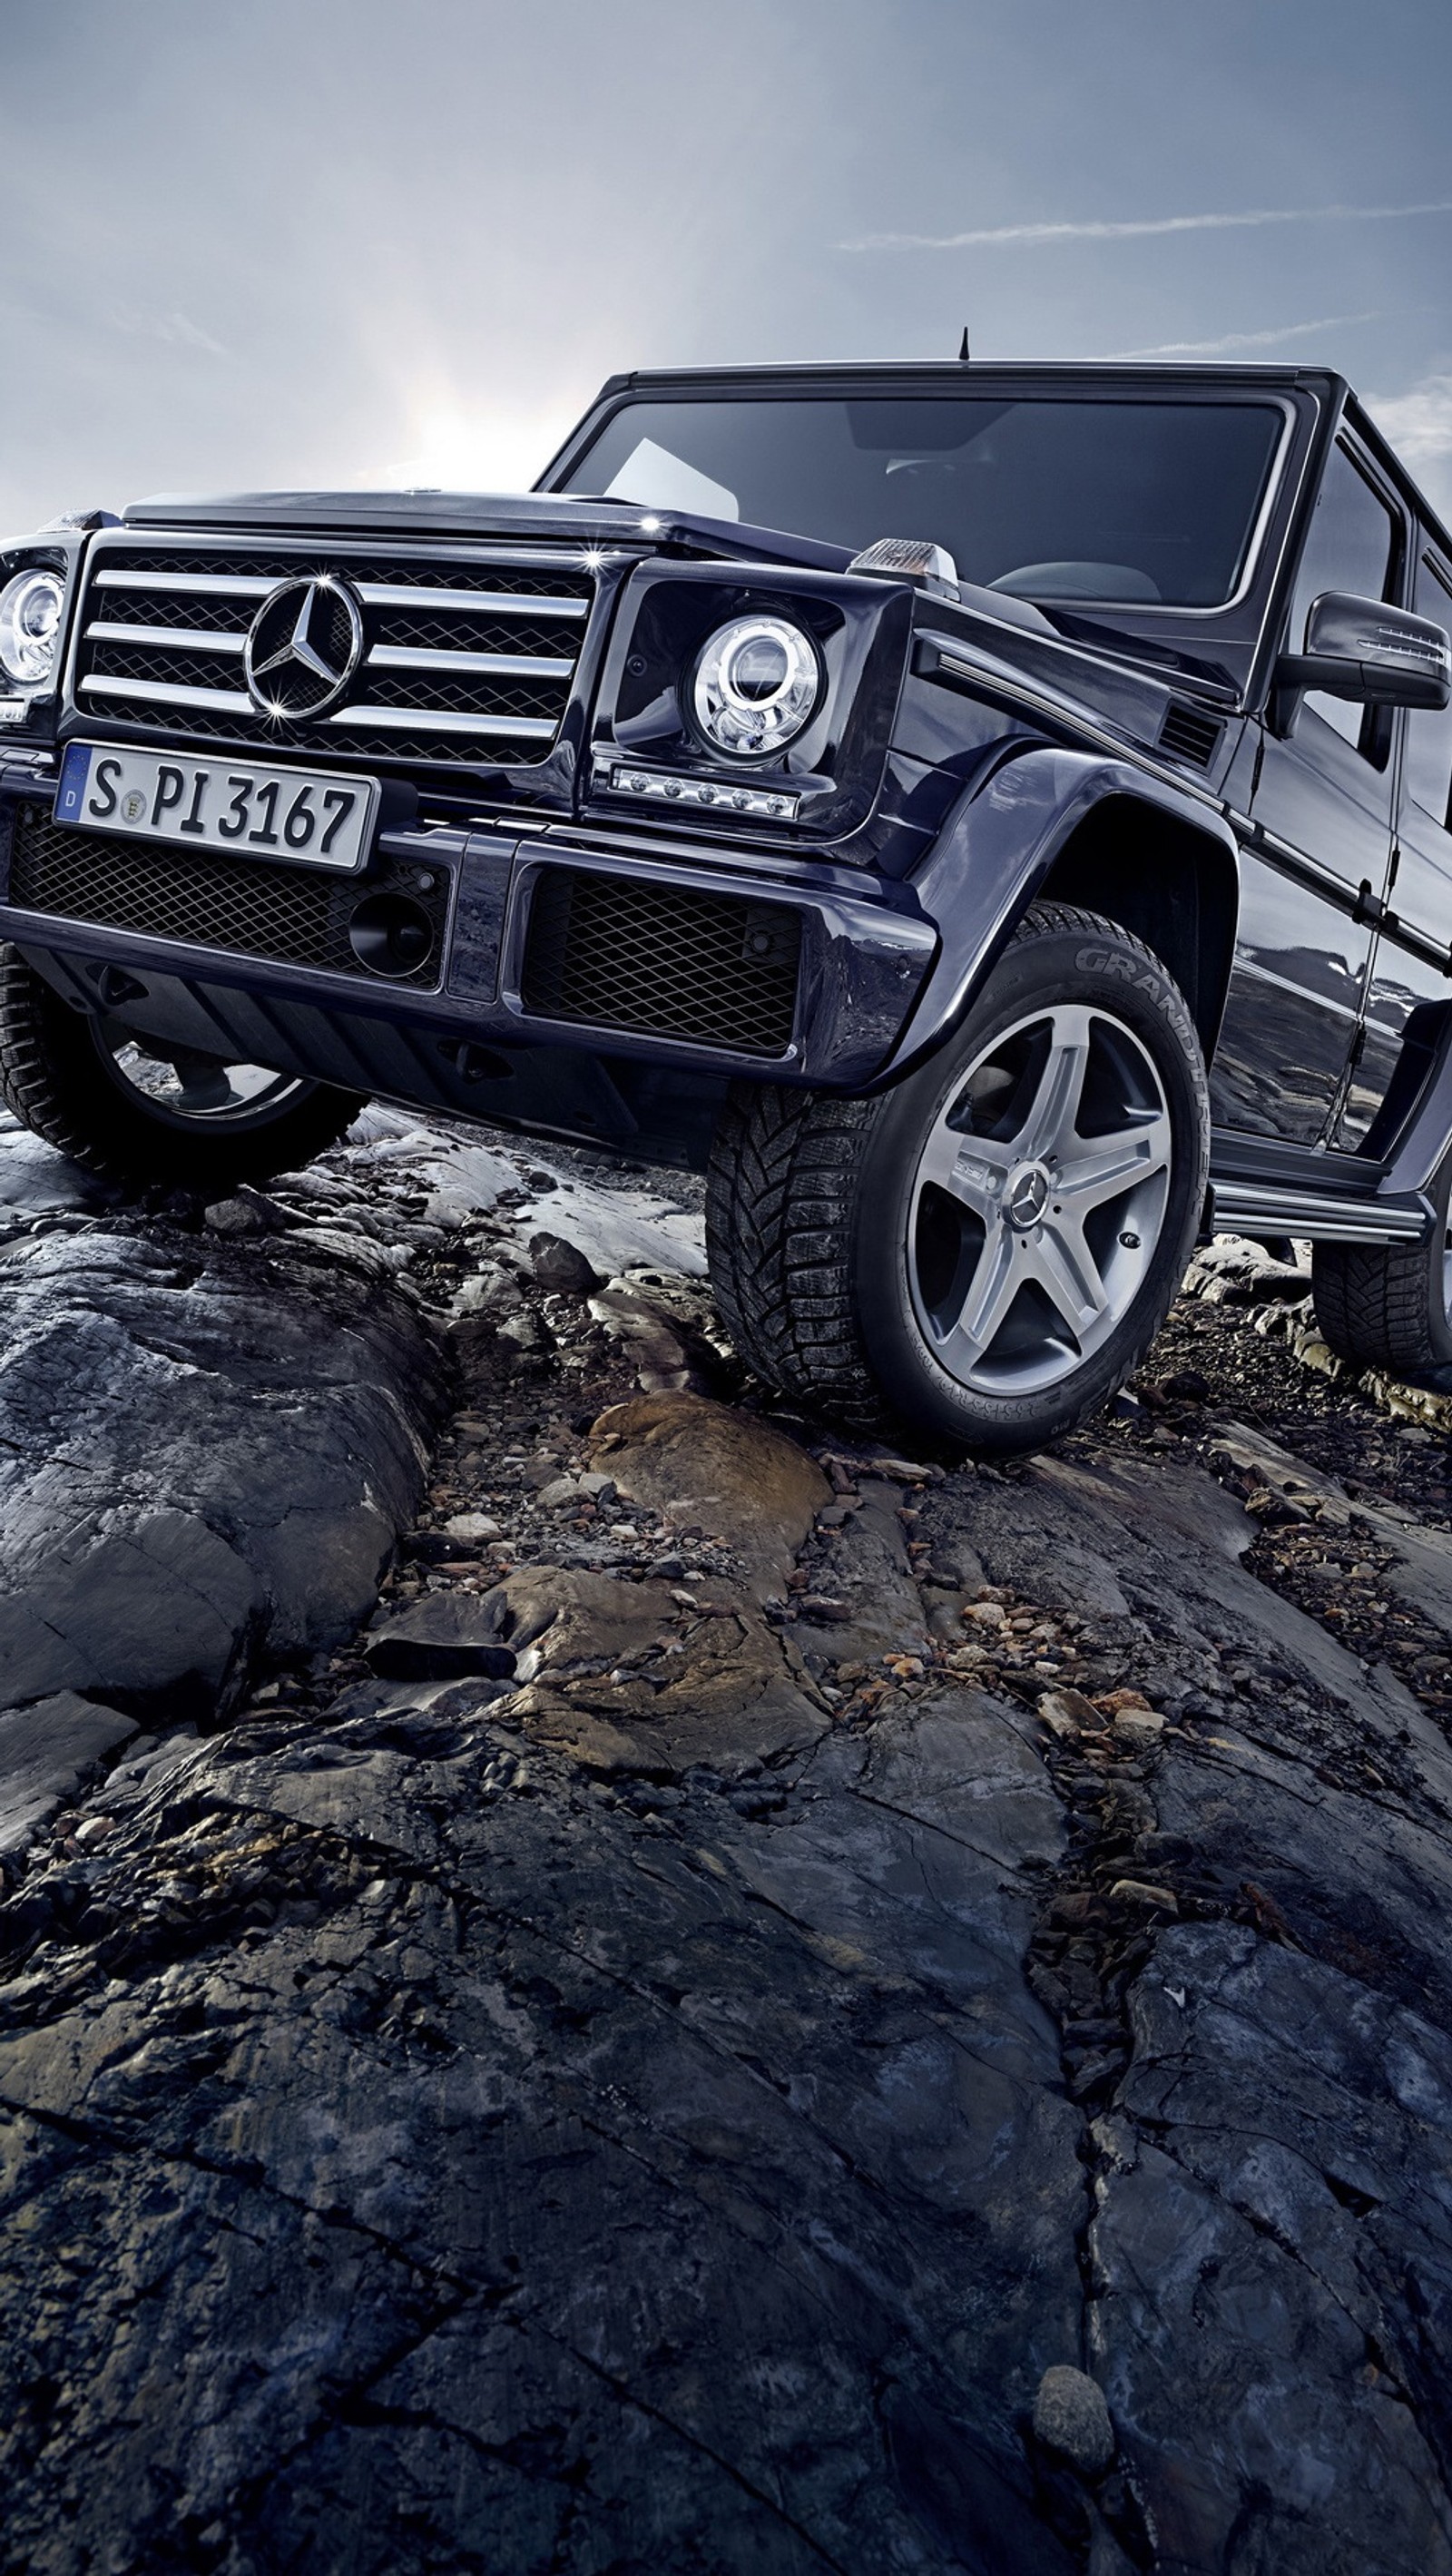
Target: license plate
311,818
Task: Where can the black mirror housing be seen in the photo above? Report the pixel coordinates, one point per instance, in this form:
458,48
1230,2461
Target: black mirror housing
1375,655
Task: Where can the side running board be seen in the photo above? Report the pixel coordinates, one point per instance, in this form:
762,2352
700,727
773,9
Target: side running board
1258,1208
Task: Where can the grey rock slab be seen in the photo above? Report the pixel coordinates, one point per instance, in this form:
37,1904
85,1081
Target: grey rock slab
206,1451
868,1569
1362,1880
1273,2265
738,2159
447,1634
288,2311
46,1752
968,1767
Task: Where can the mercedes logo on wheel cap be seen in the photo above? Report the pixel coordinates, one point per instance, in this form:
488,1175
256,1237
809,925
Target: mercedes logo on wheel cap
1026,1196
303,646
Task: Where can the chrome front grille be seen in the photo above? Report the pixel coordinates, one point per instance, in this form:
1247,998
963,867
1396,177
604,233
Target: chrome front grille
467,658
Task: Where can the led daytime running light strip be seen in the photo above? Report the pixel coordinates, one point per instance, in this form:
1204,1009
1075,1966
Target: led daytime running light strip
766,802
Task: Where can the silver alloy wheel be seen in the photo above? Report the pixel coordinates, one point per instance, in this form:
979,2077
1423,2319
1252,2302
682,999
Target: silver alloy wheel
184,1088
1038,1201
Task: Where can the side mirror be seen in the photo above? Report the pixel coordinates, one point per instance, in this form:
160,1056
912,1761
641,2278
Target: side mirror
1362,650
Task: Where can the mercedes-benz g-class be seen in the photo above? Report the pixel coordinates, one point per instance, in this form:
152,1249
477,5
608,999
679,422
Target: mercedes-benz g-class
993,820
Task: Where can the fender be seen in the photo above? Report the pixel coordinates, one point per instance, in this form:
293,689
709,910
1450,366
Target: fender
1419,1149
992,858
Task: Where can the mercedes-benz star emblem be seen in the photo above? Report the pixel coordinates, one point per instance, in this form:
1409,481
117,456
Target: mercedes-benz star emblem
1026,1196
303,646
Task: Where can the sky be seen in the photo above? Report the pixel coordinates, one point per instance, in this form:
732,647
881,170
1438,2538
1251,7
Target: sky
252,243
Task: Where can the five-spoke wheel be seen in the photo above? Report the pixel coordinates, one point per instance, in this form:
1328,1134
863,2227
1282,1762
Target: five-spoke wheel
989,1249
1039,1199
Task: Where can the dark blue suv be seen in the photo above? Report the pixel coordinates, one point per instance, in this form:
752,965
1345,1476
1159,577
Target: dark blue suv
993,820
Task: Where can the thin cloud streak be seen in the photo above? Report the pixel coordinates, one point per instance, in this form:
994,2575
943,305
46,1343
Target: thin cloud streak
994,236
1247,339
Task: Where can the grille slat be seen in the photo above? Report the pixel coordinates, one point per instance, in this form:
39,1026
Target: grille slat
295,916
662,961
462,660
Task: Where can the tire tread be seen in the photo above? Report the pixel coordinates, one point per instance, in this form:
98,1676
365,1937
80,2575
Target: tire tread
780,1214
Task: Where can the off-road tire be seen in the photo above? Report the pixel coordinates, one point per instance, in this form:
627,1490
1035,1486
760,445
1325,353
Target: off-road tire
1385,1305
54,1077
799,1180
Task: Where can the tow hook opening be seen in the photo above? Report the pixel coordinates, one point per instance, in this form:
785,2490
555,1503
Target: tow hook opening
391,935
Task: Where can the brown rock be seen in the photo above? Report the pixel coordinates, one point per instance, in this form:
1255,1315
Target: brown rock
1137,1891
731,1694
744,1483
1068,1713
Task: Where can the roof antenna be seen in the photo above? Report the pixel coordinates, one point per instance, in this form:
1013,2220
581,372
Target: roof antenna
964,353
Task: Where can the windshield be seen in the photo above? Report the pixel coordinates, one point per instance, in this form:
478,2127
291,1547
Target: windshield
1048,498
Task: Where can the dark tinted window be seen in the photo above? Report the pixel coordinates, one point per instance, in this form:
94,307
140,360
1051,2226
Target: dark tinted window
1427,765
1072,499
1352,546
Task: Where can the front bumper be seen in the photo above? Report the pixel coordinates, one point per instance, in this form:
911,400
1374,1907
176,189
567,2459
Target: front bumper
721,964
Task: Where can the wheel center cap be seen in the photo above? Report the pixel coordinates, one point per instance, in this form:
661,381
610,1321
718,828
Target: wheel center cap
1025,1196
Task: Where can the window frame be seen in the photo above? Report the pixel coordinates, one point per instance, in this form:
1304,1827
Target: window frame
1428,558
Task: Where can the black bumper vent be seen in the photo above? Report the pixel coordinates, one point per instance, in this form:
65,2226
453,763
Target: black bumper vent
297,916
615,952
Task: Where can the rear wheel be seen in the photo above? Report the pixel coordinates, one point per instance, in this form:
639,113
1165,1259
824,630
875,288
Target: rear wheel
991,1248
143,1112
1390,1306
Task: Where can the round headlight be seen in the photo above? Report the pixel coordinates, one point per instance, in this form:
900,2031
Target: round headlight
756,686
30,610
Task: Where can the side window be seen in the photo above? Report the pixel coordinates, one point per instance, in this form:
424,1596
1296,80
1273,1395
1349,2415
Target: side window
1427,763
1353,545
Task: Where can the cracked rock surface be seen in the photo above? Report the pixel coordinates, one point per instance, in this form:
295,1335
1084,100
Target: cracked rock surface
592,1979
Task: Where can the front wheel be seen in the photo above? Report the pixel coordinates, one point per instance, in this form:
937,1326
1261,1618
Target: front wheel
990,1249
146,1113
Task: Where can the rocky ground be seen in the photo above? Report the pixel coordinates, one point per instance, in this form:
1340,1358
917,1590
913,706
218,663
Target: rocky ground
596,1978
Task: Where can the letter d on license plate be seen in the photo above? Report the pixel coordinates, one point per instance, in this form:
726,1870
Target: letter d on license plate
304,817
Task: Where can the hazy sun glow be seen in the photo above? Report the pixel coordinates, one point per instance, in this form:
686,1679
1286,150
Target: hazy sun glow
450,447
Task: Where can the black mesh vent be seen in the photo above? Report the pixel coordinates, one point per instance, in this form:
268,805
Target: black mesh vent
299,916
618,953
1191,736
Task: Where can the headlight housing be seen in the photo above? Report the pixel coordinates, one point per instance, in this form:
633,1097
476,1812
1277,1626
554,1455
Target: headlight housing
30,615
756,685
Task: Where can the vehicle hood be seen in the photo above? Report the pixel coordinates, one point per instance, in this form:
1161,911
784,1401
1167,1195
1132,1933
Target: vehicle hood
562,518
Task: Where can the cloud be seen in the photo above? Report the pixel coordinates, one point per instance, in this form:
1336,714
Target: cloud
176,329
1246,339
994,235
1418,423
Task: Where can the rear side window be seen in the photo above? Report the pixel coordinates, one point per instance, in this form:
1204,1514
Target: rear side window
1427,764
1354,545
